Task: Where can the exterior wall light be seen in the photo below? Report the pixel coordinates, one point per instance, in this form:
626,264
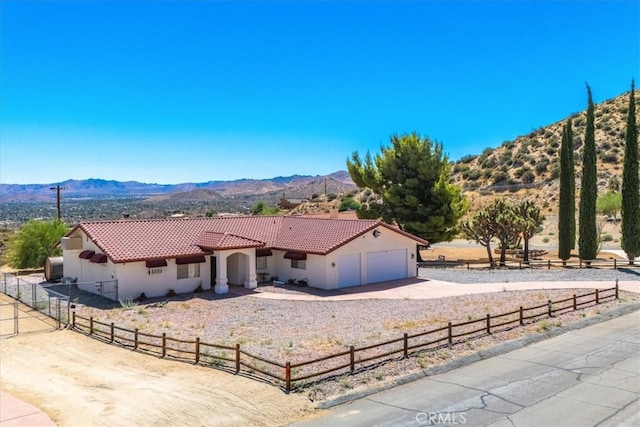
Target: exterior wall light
376,233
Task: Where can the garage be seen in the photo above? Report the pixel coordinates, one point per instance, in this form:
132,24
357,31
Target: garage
349,270
386,265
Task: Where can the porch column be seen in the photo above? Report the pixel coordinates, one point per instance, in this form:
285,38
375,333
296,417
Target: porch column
221,287
251,281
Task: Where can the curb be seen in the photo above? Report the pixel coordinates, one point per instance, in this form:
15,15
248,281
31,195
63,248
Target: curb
495,350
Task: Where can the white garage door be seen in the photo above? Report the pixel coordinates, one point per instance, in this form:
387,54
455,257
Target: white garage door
388,265
349,270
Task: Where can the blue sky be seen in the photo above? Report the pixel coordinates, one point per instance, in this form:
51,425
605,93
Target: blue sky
172,91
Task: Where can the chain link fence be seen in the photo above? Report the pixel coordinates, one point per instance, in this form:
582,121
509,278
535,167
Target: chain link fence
34,305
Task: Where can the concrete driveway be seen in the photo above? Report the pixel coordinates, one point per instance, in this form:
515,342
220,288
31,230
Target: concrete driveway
586,377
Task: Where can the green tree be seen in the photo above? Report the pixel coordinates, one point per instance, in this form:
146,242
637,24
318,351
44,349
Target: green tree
630,241
480,229
588,235
530,220
348,203
506,225
34,243
412,178
261,208
567,203
609,204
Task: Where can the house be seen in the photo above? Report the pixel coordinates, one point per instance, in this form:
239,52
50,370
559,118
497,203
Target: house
155,256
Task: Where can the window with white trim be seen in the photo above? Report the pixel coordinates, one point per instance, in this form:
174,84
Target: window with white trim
299,264
261,263
156,270
187,271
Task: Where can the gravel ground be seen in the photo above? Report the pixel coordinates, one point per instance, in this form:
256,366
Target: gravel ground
296,331
462,275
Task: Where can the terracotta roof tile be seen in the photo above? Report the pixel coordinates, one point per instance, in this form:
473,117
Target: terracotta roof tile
137,240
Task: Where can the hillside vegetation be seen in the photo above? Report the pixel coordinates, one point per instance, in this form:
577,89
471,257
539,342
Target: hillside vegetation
529,166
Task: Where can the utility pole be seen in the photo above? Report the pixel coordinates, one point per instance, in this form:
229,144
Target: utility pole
57,188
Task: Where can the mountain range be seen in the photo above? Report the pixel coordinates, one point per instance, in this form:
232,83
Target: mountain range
290,186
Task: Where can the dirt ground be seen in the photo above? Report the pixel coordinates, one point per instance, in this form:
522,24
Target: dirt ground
79,381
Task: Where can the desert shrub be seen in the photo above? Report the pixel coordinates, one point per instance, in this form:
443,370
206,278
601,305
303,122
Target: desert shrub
468,158
500,177
542,166
519,172
550,151
548,133
609,157
348,203
528,177
489,162
331,196
474,174
607,238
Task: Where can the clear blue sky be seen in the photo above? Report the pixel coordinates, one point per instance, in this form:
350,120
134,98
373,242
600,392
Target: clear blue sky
173,91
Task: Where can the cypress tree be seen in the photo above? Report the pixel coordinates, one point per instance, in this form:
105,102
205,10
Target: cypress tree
567,203
631,186
588,238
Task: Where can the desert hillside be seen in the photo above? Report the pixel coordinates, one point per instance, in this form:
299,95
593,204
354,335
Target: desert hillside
528,167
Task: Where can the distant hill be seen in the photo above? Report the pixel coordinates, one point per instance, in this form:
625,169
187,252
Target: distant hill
291,186
529,166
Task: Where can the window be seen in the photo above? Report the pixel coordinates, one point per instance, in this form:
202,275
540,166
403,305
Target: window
261,263
156,270
186,271
299,264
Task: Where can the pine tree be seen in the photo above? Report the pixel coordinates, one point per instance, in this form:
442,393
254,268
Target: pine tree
567,204
631,186
588,236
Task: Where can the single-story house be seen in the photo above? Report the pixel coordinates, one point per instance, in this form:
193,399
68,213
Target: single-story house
156,256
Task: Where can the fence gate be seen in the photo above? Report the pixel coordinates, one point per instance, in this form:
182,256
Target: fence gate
27,306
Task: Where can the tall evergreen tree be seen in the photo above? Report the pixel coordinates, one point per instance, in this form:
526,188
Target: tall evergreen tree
631,186
412,177
567,204
588,234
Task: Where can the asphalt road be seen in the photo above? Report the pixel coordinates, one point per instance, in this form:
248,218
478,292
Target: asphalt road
586,377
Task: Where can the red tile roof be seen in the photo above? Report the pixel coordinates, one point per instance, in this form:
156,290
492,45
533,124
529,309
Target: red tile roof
137,240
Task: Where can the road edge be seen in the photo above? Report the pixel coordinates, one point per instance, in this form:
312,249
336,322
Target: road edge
493,351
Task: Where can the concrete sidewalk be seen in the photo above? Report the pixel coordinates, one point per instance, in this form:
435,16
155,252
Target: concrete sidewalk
417,288
16,413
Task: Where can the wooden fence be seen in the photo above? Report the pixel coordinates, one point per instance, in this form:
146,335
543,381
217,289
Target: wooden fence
519,264
235,359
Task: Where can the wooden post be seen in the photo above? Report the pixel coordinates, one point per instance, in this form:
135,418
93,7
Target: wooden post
450,334
549,264
521,316
287,376
597,296
73,319
615,264
352,359
488,323
164,344
135,339
197,350
549,307
91,325
575,302
15,318
111,330
616,288
238,358
406,345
